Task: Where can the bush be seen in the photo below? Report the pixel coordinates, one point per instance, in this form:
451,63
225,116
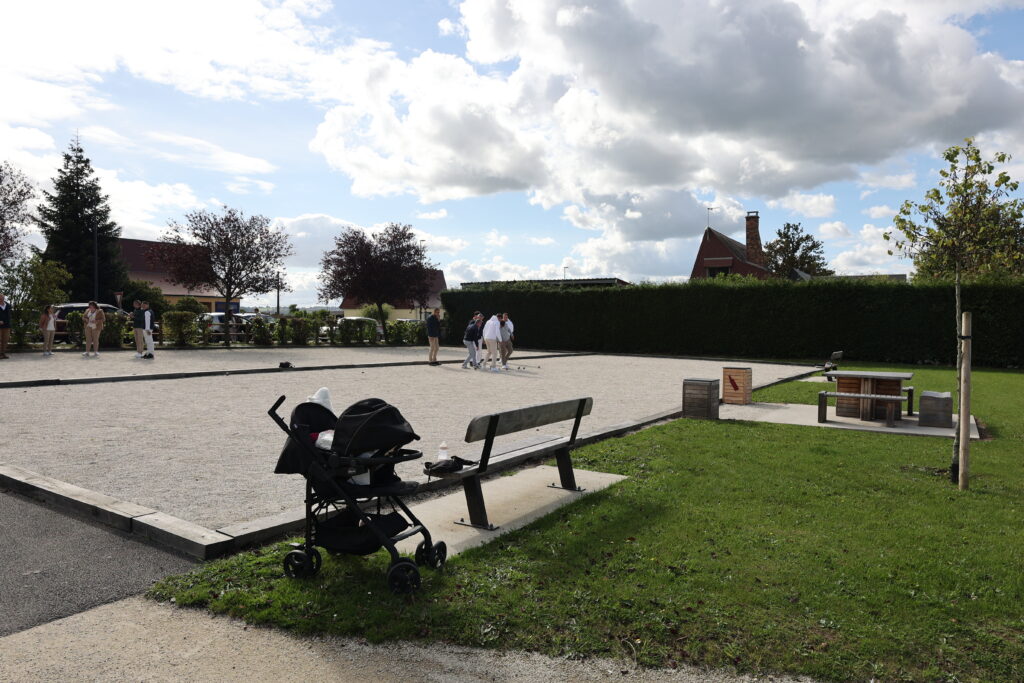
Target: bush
190,305
260,332
356,331
302,329
402,332
871,320
180,327
370,311
283,333
112,335
75,328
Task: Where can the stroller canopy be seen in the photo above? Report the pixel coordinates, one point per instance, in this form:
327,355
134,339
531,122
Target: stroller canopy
371,425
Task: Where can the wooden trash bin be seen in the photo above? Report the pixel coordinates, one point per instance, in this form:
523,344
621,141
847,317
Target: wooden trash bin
737,385
700,398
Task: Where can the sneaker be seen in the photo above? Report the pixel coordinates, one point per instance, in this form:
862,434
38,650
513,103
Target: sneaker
85,355
138,355
96,355
148,356
464,366
504,367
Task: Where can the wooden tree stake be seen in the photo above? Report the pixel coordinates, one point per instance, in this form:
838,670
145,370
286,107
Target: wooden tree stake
965,402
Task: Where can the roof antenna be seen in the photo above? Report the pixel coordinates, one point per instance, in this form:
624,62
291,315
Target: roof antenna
710,209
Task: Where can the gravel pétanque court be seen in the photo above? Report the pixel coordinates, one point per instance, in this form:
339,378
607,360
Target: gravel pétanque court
203,449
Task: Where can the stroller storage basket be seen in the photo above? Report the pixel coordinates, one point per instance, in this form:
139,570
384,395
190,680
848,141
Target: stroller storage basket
368,440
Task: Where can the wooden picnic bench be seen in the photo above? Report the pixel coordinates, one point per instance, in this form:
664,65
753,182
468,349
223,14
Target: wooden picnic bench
488,427
891,402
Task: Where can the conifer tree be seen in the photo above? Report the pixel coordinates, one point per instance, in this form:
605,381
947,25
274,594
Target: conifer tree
75,220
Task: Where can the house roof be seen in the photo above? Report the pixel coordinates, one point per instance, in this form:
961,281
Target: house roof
738,249
436,285
133,253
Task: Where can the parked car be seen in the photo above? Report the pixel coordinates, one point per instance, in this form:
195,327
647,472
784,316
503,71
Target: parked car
62,311
213,323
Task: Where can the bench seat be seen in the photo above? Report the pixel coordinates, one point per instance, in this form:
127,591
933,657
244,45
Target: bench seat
891,403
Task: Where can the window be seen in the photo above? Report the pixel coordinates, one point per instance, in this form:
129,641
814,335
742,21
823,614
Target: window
714,272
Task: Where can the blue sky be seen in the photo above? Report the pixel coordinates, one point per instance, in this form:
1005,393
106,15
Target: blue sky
519,138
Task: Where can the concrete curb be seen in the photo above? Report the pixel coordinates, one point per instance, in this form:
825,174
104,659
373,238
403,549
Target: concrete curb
244,371
203,543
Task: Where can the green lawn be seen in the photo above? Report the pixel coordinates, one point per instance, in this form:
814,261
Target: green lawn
770,548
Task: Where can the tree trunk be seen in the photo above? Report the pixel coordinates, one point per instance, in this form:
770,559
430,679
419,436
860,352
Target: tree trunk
227,321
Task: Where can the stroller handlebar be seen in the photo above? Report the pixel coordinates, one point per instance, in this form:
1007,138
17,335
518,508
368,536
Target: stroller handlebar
273,408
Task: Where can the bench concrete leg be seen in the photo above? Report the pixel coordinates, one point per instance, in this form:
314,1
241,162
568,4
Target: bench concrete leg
475,503
822,405
890,414
566,476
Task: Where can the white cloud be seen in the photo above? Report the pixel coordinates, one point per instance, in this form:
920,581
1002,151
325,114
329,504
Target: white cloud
135,204
810,205
900,181
494,239
877,212
203,154
542,241
432,215
245,185
834,230
447,27
869,256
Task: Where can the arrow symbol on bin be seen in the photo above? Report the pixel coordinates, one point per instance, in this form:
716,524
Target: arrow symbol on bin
735,387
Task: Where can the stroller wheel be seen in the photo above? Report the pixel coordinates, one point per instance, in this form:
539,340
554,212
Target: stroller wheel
431,557
298,564
440,555
403,577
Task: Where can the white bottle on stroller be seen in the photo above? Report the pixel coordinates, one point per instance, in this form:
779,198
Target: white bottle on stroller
442,451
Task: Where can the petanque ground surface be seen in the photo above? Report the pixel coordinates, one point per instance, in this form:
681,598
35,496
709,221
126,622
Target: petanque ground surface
203,449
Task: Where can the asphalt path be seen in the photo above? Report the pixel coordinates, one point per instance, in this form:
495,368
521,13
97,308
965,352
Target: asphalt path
54,565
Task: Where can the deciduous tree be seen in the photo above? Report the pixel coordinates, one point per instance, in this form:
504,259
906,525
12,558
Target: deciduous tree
234,254
75,220
969,224
390,267
16,195
793,248
30,285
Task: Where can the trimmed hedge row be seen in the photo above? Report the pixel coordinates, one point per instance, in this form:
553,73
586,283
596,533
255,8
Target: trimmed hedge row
869,320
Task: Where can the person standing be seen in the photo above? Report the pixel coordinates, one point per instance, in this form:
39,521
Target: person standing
491,336
93,319
5,326
505,341
470,339
138,327
147,330
434,335
48,326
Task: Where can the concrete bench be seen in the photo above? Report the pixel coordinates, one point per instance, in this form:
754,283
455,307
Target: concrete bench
487,427
891,403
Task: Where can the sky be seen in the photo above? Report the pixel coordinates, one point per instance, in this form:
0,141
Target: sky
520,139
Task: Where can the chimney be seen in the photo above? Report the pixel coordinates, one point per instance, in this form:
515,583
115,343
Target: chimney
754,252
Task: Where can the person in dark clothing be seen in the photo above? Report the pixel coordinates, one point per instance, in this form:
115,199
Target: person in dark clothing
471,338
434,335
139,327
5,326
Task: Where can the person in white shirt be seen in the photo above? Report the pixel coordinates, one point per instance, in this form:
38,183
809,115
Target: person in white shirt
505,342
147,330
492,335
48,326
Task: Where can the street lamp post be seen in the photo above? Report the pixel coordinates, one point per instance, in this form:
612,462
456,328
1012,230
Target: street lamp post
279,293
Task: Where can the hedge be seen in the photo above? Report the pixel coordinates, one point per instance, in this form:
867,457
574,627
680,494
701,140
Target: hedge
870,320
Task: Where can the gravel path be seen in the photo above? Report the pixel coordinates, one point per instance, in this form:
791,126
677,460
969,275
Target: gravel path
203,449
136,640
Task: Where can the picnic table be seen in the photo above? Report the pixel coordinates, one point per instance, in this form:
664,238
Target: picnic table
866,383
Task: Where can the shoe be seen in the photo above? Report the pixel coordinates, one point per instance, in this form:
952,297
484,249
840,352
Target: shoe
96,355
464,366
138,355
504,367
148,356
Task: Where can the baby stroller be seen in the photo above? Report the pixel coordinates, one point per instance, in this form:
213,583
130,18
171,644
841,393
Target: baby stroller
359,467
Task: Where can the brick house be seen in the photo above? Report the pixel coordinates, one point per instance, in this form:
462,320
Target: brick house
133,253
722,255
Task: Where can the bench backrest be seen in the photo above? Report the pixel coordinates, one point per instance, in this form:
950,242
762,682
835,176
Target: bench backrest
527,418
487,427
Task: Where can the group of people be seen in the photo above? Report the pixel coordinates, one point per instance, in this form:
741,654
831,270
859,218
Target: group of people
93,320
496,334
